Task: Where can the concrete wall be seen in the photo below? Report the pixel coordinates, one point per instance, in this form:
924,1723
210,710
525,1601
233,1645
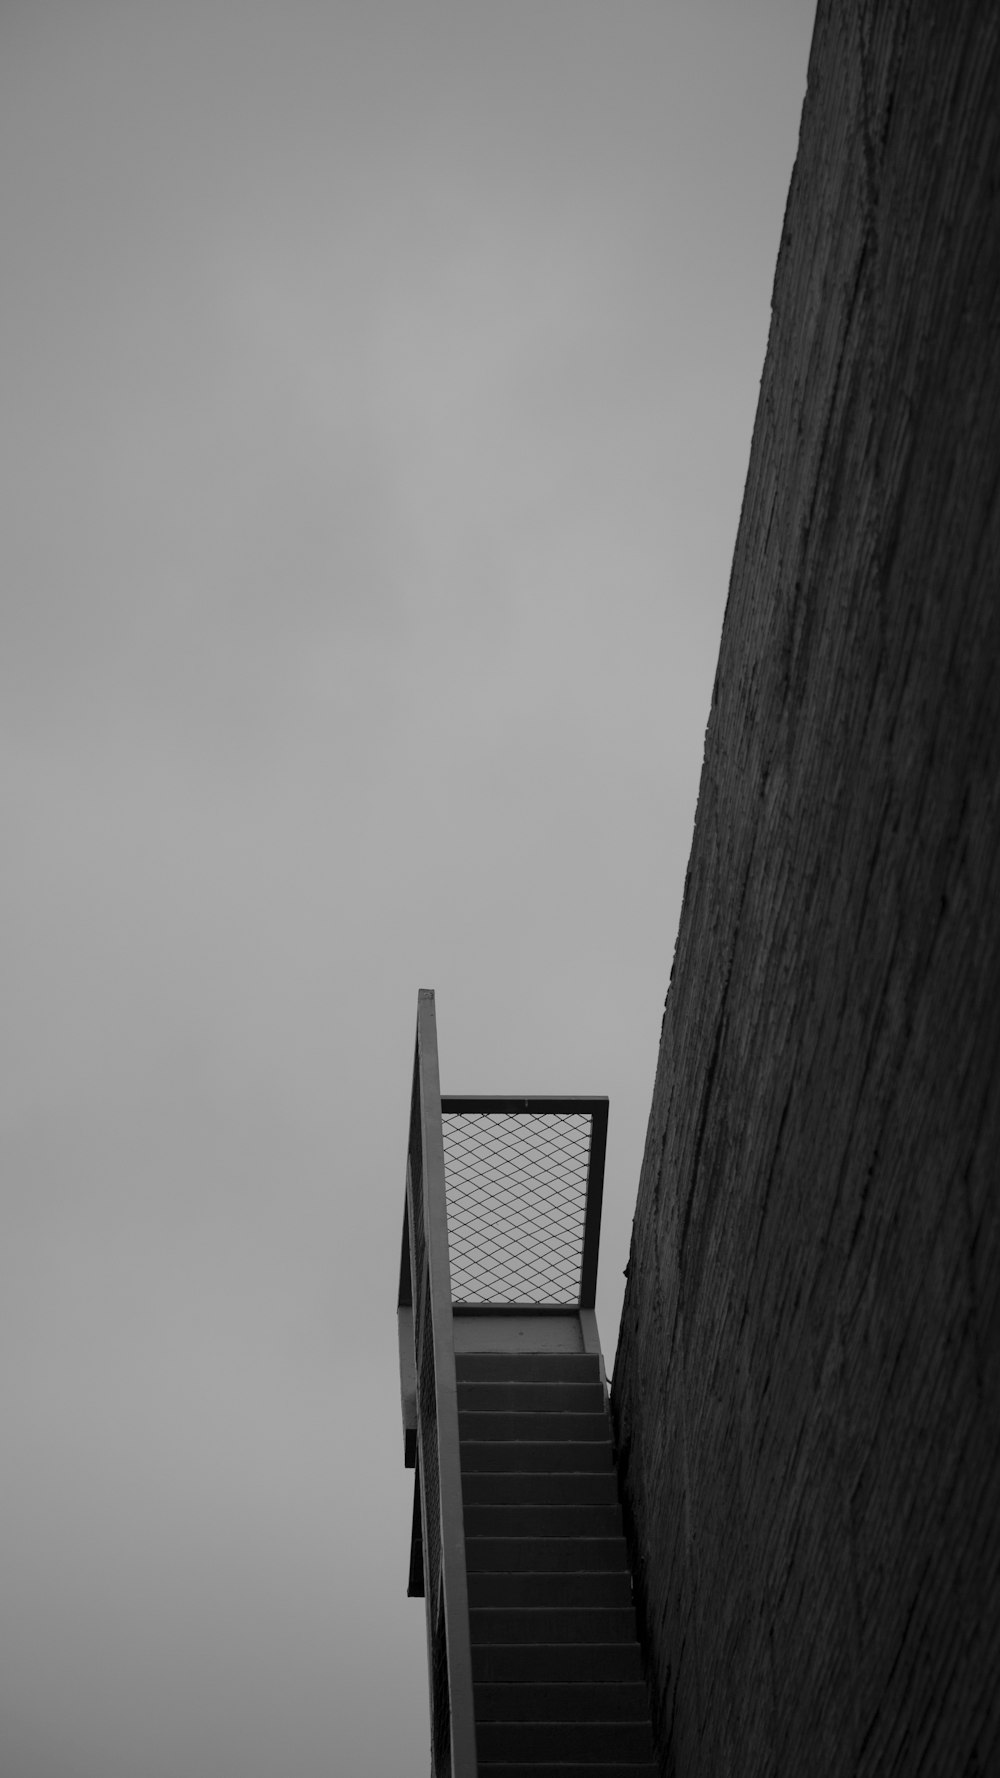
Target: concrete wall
807,1387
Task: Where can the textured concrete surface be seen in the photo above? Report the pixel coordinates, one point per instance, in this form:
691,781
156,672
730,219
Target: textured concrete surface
807,1387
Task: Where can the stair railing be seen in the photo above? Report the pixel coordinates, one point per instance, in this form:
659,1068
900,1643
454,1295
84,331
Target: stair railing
430,1416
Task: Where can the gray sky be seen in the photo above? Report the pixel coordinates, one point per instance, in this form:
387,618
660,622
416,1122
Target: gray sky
378,381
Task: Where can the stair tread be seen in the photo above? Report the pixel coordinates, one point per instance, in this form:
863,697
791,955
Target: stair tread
544,1590
540,1487
512,1395
534,1455
481,1367
579,1740
546,1555
533,1426
541,1520
618,1768
558,1662
557,1624
619,1700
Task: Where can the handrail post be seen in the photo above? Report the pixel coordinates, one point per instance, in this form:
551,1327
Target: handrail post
438,1418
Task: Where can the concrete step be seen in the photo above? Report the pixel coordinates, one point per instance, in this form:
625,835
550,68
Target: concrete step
547,1555
502,1455
566,1663
552,1624
523,1488
547,1701
555,1522
517,1397
561,1741
550,1589
534,1427
527,1367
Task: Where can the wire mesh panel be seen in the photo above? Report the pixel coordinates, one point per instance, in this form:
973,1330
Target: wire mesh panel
516,1187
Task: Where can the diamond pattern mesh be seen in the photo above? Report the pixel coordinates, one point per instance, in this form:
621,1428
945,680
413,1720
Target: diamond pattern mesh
516,1187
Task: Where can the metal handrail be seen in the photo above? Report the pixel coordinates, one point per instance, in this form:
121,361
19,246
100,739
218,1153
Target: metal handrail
430,1415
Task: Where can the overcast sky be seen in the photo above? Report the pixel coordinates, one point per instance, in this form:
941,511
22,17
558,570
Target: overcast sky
377,386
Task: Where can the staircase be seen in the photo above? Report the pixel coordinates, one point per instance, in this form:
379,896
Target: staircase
558,1687
516,1547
